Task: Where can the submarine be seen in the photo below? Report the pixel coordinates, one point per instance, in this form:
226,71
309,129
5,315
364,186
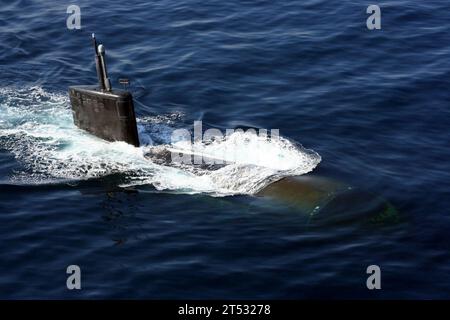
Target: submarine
109,114
102,111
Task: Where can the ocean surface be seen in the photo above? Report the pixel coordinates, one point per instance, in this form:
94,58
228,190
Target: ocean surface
364,122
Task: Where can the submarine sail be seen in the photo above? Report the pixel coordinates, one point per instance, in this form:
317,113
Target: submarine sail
100,110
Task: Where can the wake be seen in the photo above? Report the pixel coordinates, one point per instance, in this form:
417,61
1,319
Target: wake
36,126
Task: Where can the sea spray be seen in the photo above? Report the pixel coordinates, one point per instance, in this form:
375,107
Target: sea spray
36,126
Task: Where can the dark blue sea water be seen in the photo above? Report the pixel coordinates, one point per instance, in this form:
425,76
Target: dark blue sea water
372,104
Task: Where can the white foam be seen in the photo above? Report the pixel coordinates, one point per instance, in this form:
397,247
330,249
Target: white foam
37,127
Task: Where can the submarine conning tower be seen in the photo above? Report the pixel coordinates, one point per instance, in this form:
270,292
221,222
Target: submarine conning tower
102,111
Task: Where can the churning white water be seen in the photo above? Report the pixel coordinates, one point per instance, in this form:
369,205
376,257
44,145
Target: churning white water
36,126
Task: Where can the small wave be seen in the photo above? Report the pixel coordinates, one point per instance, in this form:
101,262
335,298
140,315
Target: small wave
36,126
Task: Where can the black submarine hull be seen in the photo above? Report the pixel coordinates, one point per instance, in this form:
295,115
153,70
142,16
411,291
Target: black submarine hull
108,115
